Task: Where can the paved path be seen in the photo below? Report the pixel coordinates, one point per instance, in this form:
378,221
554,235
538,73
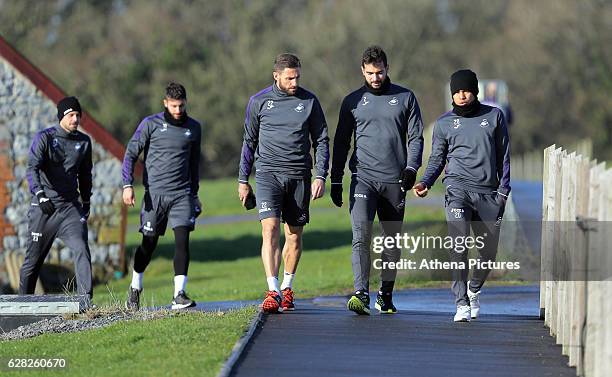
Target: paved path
322,338
527,202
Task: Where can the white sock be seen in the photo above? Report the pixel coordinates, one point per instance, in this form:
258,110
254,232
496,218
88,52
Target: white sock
180,281
137,280
287,280
273,284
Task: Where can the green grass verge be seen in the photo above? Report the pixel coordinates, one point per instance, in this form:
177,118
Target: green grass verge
188,344
226,264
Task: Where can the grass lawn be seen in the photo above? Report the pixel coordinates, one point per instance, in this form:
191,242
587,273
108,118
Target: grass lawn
188,344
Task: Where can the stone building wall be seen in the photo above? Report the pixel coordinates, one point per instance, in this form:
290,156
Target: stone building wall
24,110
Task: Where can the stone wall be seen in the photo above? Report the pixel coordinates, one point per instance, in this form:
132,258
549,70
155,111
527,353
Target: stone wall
24,110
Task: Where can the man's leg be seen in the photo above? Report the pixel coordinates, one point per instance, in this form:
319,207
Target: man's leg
391,216
270,248
271,258
42,229
181,214
292,250
73,233
487,221
295,215
363,201
458,218
269,197
390,211
153,222
142,257
181,258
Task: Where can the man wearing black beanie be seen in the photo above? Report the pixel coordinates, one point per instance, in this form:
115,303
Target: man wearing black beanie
68,105
472,141
59,172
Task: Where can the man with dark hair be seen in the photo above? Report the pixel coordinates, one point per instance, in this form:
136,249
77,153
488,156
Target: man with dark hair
281,125
385,121
59,171
171,144
472,141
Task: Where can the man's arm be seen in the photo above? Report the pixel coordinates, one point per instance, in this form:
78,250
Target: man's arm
437,159
320,140
194,162
36,160
342,141
414,141
502,155
250,141
135,146
85,180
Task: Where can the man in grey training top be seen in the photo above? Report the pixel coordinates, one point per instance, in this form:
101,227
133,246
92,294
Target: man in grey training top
472,141
171,144
385,121
282,123
59,172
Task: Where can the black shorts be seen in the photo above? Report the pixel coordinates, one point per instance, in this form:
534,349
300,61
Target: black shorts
156,210
283,197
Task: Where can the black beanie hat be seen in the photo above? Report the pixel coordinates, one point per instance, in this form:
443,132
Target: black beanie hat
464,79
67,105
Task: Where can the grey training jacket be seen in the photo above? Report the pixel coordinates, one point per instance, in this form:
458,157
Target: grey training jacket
171,156
475,150
279,130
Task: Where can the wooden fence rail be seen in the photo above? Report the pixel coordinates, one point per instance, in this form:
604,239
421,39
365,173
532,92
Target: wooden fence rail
576,260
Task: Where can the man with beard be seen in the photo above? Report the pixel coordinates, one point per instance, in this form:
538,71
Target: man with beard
385,121
59,171
282,123
472,141
171,144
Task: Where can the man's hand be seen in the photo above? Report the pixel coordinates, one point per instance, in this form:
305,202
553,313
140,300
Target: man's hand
45,204
197,206
501,198
243,192
128,196
317,188
336,194
86,208
420,190
407,179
